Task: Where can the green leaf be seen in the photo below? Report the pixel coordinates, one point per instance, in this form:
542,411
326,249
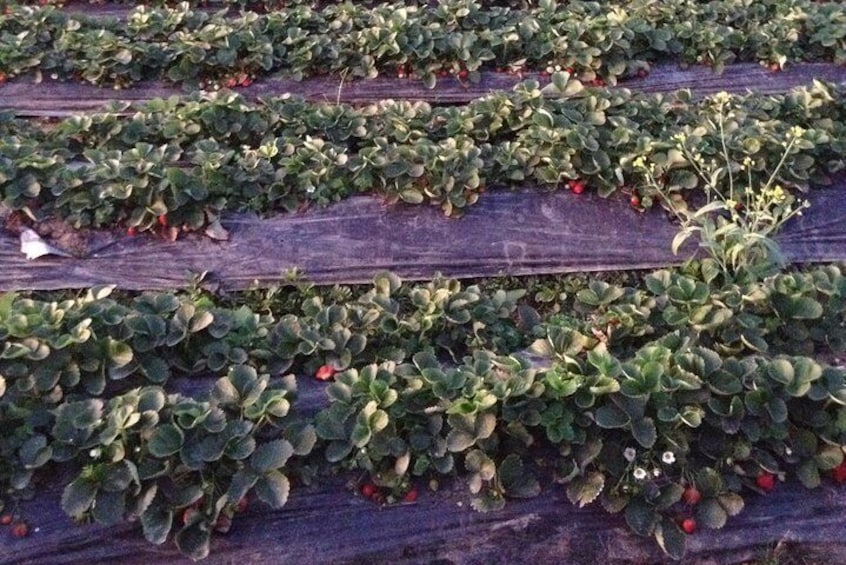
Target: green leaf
166,440
194,540
118,476
109,507
120,354
155,369
781,371
829,457
337,450
242,481
611,417
808,474
491,501
709,481
731,502
273,489
516,481
411,196
156,522
804,308
613,502
302,437
201,321
644,432
710,514
670,494
670,538
224,392
584,490
271,455
641,517
458,440
78,496
35,452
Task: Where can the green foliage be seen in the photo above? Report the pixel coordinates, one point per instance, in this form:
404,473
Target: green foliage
634,395
363,40
194,157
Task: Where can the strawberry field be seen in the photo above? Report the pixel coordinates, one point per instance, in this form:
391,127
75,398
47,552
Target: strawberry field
453,281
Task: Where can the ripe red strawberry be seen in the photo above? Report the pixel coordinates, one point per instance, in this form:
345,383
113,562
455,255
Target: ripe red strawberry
688,525
463,74
325,373
132,231
635,201
411,495
162,220
20,529
569,70
839,473
2,78
691,496
368,490
766,482
774,67
231,82
247,82
5,519
578,188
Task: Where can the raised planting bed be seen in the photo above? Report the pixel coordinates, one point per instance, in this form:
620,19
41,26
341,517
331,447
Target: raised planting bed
507,233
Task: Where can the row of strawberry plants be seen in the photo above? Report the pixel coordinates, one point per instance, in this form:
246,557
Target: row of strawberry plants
598,41
666,401
189,159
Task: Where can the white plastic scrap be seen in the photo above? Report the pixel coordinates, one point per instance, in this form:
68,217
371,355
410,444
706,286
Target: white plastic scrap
33,246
